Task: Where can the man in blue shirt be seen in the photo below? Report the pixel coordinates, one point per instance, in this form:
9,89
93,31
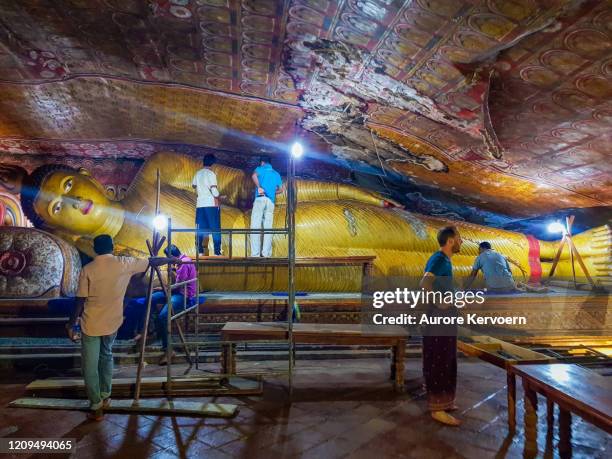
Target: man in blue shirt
440,352
268,184
495,269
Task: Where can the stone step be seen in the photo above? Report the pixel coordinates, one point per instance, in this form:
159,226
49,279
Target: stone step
24,353
65,360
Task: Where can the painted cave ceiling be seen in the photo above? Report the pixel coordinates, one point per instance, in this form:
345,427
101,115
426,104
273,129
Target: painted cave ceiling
504,104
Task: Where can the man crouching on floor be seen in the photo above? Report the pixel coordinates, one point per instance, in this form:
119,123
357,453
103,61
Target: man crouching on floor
99,307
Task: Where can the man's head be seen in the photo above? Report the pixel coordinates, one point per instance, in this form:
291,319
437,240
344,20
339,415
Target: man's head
209,160
172,251
103,244
265,159
449,238
484,246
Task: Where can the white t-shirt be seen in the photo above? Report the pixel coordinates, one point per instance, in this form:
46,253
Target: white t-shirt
205,182
103,283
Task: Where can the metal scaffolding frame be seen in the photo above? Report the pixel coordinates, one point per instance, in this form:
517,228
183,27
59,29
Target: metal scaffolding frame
168,286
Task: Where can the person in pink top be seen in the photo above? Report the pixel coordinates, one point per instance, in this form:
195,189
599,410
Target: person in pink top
186,271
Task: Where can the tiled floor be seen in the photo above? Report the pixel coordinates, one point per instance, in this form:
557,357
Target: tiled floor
340,408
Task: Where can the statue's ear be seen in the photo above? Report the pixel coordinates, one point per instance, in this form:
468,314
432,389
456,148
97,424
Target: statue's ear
84,171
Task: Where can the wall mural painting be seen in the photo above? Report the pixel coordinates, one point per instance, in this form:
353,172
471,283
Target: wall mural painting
11,213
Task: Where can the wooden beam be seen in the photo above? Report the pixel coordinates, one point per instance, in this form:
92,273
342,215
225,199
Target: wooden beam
163,407
557,257
152,386
580,262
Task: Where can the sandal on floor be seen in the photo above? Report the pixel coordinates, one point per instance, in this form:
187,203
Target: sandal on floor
95,415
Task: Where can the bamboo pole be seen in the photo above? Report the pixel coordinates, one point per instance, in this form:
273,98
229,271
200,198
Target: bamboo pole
153,251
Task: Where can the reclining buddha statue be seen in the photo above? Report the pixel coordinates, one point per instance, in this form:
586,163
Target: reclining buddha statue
332,220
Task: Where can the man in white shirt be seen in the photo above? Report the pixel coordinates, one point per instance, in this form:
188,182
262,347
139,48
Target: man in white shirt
208,212
102,286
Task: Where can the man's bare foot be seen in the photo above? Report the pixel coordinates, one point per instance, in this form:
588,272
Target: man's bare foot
445,418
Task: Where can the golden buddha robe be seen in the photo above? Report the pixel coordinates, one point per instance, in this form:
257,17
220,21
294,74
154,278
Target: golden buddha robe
332,220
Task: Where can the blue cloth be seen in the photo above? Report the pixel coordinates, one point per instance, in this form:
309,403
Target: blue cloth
495,269
62,306
440,266
287,293
97,366
269,180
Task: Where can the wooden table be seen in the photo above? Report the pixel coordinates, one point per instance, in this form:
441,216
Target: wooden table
575,389
330,334
503,355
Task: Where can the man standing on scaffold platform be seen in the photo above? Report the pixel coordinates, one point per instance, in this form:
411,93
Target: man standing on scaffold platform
208,211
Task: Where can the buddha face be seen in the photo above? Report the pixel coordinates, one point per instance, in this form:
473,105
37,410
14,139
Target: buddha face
73,201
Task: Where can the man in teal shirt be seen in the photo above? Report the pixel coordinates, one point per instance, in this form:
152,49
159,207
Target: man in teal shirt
440,352
268,184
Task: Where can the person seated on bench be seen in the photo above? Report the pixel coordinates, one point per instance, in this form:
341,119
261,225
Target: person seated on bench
135,306
496,270
186,271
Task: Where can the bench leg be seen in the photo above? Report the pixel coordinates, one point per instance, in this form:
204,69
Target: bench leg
225,350
565,433
531,420
232,359
398,362
550,412
393,369
228,359
511,382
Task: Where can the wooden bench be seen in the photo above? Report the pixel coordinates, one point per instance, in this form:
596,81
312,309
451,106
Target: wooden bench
325,334
575,389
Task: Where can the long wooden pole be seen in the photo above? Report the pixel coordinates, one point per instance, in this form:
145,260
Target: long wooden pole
581,263
153,251
557,257
568,226
567,237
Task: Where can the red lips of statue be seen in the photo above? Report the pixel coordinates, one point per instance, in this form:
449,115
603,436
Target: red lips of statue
87,207
12,262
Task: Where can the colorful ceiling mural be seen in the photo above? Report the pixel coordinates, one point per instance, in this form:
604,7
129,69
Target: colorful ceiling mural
504,104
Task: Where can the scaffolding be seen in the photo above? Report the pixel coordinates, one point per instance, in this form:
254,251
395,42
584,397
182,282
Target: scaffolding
169,285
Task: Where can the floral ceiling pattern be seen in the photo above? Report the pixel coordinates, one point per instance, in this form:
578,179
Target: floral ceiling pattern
505,104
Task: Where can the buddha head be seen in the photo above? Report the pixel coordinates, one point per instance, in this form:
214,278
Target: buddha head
67,199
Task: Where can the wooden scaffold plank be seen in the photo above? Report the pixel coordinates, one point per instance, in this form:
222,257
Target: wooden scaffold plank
162,407
152,386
